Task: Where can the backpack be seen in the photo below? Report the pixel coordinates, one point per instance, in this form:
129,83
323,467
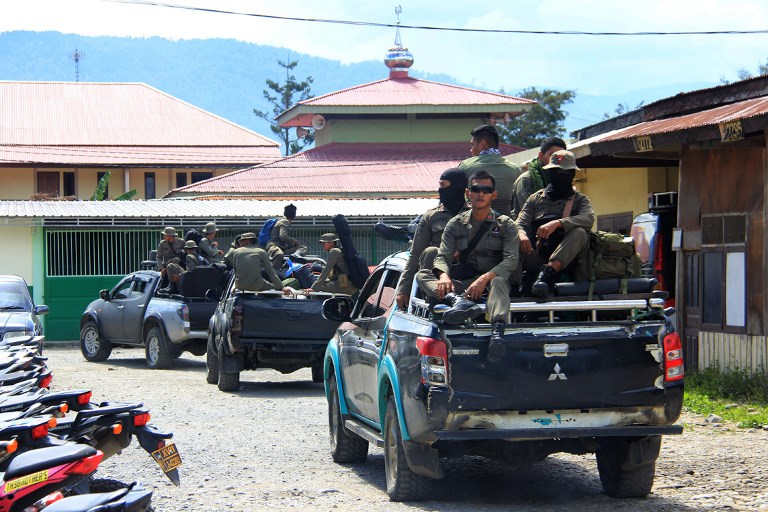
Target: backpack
610,256
358,268
195,235
265,234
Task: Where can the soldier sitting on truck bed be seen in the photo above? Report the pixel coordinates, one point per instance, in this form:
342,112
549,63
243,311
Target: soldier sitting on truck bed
248,261
553,226
174,273
280,240
488,247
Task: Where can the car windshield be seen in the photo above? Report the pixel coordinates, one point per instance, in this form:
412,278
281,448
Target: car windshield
13,296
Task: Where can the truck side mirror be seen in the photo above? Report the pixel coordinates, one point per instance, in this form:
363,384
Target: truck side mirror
338,309
42,309
104,295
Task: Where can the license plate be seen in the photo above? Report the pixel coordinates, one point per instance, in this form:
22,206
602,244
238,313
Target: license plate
167,457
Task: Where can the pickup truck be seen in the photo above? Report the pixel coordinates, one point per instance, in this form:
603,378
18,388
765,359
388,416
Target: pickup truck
136,312
251,330
601,376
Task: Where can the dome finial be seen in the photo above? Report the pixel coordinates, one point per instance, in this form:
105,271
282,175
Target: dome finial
398,58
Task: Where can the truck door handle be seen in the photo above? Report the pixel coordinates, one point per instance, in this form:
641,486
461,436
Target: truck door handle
120,307
140,306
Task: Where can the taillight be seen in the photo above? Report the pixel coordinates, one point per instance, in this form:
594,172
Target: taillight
673,357
42,503
87,465
39,431
84,398
141,419
236,320
658,260
46,382
183,312
434,361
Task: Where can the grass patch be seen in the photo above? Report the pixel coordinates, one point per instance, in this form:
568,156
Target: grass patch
736,395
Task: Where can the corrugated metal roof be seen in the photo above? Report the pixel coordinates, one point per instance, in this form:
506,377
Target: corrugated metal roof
740,110
343,169
219,156
412,91
82,123
154,210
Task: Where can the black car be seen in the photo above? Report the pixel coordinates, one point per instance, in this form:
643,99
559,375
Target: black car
18,312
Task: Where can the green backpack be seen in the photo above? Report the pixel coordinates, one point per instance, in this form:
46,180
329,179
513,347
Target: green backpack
610,256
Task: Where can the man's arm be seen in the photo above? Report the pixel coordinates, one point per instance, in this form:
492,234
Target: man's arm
421,240
285,238
525,221
267,265
585,215
523,188
511,250
333,258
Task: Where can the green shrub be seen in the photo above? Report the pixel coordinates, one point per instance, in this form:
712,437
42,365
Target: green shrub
736,395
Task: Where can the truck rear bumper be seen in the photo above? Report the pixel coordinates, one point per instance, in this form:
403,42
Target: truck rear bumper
529,434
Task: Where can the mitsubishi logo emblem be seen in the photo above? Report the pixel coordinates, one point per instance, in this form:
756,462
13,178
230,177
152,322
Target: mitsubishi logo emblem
558,374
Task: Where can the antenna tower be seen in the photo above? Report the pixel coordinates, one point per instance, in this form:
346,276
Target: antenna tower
77,56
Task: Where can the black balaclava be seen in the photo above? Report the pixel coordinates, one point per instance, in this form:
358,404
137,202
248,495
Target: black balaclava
561,183
453,196
289,212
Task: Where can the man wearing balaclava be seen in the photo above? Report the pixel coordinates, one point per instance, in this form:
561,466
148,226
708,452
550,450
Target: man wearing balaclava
280,240
553,226
426,240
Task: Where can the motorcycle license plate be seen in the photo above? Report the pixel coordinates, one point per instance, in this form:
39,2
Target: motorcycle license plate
167,457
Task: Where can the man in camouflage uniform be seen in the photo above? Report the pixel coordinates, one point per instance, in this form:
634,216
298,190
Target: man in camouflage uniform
280,241
209,248
494,260
486,157
535,177
170,249
335,276
429,231
248,262
550,238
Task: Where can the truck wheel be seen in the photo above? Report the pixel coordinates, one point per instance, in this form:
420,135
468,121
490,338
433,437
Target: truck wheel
317,373
93,347
228,381
211,362
158,357
625,478
345,445
402,483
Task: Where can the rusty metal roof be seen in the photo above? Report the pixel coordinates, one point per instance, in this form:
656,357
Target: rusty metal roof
343,170
72,122
741,110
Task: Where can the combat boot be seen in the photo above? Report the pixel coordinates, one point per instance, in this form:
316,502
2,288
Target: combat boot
545,282
496,348
461,309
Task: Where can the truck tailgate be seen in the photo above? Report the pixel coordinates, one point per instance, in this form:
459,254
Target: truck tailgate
285,319
558,367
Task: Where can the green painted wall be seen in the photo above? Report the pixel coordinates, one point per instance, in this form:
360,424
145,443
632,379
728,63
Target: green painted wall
397,130
67,298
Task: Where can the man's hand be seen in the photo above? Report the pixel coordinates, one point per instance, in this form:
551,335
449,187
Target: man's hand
455,257
525,243
402,301
547,229
287,291
444,286
478,286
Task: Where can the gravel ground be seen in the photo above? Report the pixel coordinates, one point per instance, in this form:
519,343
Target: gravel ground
265,447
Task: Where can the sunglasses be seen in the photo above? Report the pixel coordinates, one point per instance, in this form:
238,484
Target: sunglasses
482,189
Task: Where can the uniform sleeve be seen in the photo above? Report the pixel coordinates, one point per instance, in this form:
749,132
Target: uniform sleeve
523,188
511,250
585,215
285,238
267,265
206,249
525,217
163,255
421,240
333,259
444,256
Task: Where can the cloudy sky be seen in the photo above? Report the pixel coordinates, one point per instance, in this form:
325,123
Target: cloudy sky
590,64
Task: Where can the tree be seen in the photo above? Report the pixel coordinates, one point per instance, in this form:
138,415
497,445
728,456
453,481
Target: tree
545,119
101,190
282,97
622,108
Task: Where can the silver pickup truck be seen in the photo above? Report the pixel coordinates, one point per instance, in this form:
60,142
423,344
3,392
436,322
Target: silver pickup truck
136,312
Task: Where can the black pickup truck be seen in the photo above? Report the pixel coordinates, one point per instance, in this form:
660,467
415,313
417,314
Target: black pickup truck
251,330
602,376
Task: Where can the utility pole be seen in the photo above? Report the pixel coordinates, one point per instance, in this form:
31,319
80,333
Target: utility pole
77,56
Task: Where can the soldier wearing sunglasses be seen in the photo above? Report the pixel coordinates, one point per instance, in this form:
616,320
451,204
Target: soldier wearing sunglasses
479,251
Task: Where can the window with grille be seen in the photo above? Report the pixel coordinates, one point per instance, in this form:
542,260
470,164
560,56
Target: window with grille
724,272
98,252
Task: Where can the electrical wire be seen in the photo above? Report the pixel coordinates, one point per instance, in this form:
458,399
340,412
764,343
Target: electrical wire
451,29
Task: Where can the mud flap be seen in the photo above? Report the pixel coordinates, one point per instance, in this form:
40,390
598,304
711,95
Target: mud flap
641,452
422,459
231,364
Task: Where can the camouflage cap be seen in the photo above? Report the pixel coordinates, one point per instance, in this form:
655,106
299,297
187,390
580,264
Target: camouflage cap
248,236
210,228
562,159
190,244
328,237
169,231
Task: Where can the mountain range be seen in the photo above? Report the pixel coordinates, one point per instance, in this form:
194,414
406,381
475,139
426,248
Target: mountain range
227,77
